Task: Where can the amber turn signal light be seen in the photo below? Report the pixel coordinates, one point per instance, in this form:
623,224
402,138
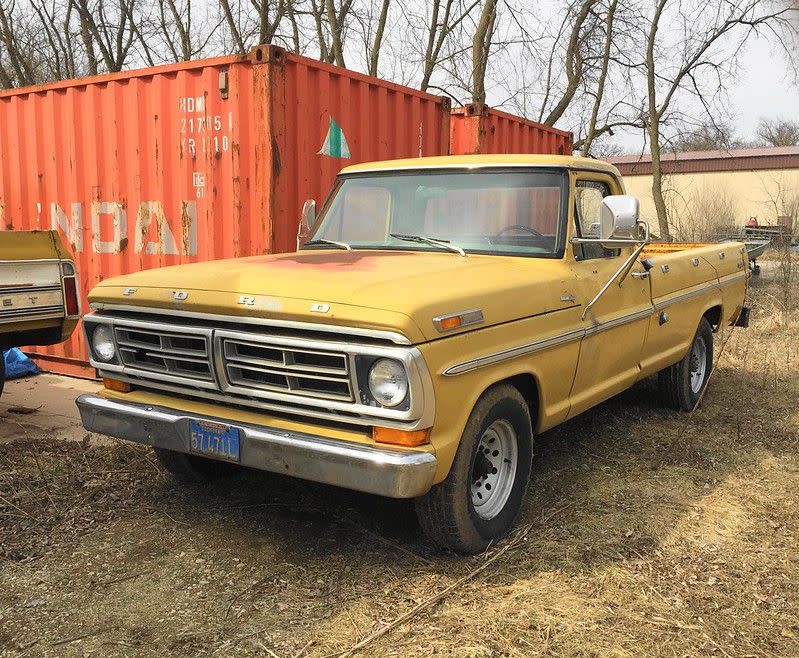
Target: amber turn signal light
116,385
450,323
400,437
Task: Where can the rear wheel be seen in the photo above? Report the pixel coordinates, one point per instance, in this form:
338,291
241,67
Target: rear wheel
2,371
682,384
480,499
191,468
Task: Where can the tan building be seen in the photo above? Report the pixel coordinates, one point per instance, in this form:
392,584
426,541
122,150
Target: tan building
710,192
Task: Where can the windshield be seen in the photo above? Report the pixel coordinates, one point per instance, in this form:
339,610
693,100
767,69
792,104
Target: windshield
509,212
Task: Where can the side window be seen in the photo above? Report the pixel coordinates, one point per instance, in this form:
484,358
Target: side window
588,197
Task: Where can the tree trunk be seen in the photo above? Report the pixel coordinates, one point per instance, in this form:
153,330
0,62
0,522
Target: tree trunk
481,46
653,125
657,185
233,26
600,85
336,28
374,56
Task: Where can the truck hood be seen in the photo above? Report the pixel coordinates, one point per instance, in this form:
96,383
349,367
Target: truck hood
390,290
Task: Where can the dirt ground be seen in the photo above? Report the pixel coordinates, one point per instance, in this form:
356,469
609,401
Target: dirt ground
642,534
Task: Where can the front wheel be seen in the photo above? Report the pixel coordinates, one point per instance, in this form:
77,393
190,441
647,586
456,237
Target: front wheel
682,384
480,499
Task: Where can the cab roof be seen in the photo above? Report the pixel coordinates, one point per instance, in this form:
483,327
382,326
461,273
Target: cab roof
480,161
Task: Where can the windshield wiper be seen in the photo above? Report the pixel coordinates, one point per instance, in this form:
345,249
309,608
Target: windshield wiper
445,244
340,245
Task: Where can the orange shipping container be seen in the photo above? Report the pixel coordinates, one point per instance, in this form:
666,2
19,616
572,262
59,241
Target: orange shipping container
477,128
194,161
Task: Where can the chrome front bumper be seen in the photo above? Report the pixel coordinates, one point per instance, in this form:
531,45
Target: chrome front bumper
383,471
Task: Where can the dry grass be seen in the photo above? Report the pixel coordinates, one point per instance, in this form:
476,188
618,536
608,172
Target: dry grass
625,554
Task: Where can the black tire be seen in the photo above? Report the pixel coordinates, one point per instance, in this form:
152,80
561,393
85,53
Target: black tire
446,513
675,381
191,468
2,371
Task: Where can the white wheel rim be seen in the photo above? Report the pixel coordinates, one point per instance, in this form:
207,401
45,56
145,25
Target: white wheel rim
494,470
698,364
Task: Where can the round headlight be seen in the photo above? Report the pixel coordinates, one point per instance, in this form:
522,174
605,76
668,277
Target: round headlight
388,382
103,343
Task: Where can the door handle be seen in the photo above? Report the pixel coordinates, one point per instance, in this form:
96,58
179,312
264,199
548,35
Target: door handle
639,275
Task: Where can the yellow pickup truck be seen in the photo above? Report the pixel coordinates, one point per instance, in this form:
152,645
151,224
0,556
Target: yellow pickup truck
39,300
440,313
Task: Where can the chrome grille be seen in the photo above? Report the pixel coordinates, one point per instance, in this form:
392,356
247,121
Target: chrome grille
277,367
281,366
181,355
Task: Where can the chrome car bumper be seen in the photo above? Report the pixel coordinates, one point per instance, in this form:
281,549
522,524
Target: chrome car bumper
383,471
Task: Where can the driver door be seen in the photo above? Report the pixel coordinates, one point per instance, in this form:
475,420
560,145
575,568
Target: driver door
616,326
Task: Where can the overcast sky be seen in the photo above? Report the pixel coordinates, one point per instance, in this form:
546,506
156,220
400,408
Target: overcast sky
766,87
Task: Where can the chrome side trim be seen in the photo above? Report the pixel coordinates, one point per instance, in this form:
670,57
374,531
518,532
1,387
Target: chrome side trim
537,346
506,355
34,260
710,287
392,336
374,469
732,278
619,321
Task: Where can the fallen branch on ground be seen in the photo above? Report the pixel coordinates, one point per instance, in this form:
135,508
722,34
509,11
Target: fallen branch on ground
519,538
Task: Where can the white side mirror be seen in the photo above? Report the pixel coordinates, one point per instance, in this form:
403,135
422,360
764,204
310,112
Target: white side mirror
307,220
619,218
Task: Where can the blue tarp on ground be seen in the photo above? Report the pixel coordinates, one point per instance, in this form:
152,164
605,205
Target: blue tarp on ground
18,365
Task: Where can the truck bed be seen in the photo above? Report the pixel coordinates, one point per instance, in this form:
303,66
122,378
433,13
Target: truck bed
686,281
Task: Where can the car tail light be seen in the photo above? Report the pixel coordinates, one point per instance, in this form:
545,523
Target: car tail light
71,302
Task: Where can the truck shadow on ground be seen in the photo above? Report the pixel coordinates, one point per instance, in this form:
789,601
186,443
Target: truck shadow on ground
601,467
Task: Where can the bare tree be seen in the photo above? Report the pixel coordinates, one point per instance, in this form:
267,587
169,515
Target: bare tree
702,211
111,27
481,47
784,201
778,132
336,19
374,43
233,26
585,148
574,62
255,21
704,29
707,136
16,66
445,16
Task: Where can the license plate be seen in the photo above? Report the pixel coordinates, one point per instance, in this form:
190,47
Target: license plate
214,440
